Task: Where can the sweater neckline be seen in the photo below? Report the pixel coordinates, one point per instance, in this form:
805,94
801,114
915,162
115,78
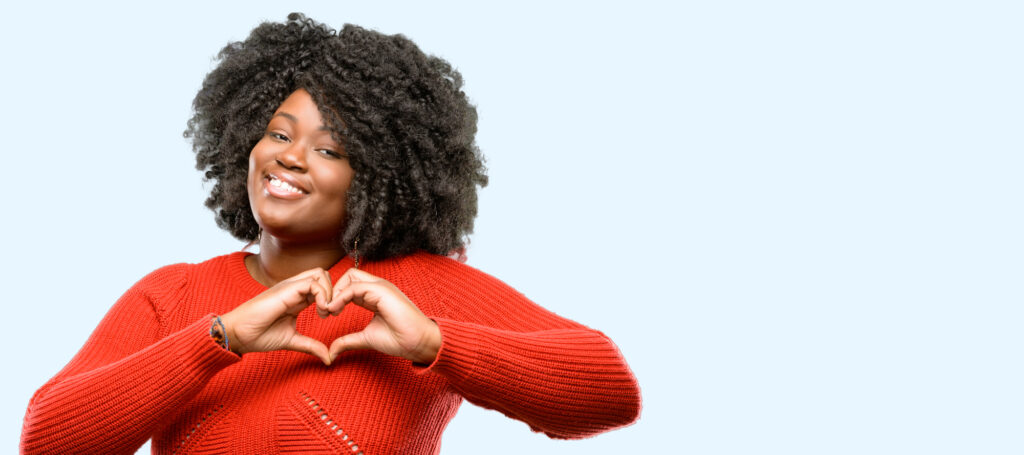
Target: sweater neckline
247,282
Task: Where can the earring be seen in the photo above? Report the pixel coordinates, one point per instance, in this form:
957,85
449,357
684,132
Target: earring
355,250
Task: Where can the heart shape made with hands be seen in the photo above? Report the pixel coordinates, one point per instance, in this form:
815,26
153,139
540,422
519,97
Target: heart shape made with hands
267,322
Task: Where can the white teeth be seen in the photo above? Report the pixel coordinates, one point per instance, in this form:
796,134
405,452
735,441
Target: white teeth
282,184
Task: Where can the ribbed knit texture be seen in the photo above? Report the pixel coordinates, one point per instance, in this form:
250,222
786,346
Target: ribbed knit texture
151,370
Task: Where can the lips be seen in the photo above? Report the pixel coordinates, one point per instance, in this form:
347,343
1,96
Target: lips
284,186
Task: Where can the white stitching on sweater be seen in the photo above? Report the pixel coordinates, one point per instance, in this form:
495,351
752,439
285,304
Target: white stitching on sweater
330,422
196,428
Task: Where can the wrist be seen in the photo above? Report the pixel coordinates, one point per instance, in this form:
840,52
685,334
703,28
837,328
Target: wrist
430,347
226,336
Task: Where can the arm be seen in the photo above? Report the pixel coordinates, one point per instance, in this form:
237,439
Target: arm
495,347
501,351
126,379
566,383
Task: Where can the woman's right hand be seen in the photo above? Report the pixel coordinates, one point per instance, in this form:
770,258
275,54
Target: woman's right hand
267,321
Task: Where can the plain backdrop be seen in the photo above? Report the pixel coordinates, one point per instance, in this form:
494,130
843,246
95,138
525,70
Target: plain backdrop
800,221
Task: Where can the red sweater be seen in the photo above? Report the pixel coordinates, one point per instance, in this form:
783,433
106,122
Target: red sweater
151,370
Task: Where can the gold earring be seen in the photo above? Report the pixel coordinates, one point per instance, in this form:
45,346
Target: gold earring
355,249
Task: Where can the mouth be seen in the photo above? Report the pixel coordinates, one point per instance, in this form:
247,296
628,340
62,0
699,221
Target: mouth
280,187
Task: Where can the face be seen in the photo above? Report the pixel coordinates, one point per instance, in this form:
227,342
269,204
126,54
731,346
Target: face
299,175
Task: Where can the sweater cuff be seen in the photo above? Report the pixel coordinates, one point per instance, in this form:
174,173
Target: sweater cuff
205,357
457,357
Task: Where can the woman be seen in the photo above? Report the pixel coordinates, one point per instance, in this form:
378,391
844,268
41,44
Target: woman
349,158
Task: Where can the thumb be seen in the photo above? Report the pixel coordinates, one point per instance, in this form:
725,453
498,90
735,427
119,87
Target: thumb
349,342
303,343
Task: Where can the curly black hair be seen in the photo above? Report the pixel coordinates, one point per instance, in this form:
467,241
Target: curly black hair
406,125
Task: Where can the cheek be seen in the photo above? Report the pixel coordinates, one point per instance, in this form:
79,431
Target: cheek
252,160
252,177
340,180
340,194
249,179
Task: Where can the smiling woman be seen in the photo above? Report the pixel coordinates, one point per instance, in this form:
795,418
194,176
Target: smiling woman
325,148
298,176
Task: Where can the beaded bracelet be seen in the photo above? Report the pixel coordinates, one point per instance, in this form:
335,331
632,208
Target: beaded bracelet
219,333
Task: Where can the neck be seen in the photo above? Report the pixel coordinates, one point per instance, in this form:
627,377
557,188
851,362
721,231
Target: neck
277,261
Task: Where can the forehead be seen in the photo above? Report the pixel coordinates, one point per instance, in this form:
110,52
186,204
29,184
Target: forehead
300,110
298,105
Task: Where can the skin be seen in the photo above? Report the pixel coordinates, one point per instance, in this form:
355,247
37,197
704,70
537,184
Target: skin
301,240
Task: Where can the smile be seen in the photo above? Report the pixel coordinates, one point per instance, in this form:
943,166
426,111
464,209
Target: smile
284,185
282,189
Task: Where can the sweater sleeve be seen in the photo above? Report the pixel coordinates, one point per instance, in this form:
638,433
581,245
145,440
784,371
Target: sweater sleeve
501,351
127,378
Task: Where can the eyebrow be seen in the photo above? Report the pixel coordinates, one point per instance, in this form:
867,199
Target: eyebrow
295,120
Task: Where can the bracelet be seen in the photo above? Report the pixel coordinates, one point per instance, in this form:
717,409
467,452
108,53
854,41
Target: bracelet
219,333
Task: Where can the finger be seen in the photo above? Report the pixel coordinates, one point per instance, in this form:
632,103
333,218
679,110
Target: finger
319,292
328,285
346,281
296,295
302,343
349,342
336,305
361,275
350,277
355,275
365,294
322,295
313,290
338,309
317,273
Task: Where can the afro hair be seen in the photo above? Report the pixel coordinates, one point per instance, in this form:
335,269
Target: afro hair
406,125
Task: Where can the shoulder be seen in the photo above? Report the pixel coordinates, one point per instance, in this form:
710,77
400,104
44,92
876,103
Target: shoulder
166,284
176,274
445,272
457,284
224,266
471,295
165,278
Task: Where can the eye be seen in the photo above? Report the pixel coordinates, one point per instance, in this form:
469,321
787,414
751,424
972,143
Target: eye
277,136
332,153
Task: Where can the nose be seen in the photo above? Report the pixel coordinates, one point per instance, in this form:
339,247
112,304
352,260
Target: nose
292,157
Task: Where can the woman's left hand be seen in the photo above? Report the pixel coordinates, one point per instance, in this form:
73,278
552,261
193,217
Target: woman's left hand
398,327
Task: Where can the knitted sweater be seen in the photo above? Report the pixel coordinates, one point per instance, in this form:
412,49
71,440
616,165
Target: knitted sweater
150,369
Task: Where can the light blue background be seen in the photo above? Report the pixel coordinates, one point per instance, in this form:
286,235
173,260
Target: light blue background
800,221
